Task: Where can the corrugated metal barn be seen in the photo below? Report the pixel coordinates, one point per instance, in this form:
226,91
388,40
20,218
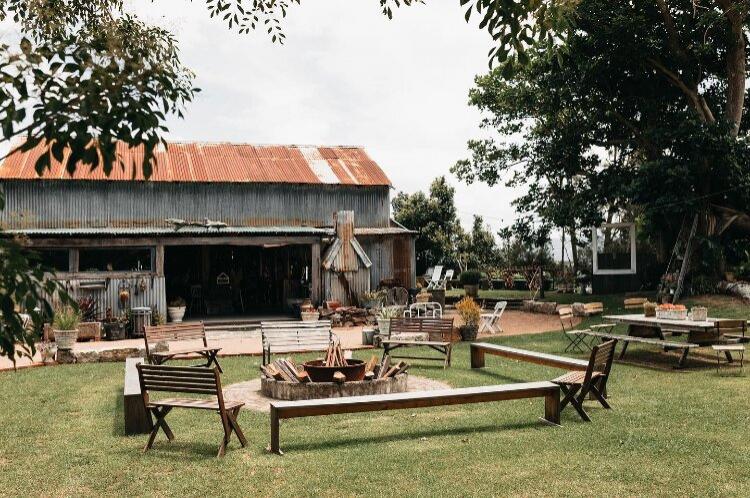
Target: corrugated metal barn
231,228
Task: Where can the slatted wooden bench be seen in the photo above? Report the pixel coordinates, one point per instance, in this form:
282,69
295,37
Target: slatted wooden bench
137,419
294,337
179,332
189,380
439,337
627,339
480,349
421,399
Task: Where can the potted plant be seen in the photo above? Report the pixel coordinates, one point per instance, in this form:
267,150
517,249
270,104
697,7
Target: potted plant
65,326
470,280
384,318
470,312
176,310
373,299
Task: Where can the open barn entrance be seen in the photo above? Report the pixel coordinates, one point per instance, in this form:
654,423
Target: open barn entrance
224,281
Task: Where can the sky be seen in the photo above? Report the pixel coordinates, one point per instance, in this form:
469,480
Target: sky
345,76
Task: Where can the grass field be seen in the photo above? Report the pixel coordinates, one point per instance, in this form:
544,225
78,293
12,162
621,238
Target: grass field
671,433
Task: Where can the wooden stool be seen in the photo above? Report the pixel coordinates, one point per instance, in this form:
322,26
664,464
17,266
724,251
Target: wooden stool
728,349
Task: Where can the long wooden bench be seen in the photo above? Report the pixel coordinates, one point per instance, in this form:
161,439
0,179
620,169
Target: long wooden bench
421,399
137,419
479,349
439,333
627,339
179,332
294,337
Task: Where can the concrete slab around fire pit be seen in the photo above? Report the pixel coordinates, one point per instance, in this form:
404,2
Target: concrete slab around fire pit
249,392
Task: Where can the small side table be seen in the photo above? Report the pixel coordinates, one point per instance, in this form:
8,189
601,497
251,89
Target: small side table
728,349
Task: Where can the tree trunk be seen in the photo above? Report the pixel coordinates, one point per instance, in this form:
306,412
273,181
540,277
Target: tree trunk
574,250
736,74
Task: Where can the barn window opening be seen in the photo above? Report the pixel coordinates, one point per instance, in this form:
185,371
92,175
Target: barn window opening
54,259
120,259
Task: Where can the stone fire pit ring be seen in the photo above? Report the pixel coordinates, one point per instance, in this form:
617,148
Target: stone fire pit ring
290,391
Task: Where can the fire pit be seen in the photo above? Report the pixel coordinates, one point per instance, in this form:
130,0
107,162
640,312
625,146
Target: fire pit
354,370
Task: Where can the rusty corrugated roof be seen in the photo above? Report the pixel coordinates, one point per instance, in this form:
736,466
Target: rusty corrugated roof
220,162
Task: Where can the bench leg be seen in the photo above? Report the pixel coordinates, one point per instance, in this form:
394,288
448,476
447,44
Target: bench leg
477,357
683,358
447,357
552,407
274,448
624,348
229,422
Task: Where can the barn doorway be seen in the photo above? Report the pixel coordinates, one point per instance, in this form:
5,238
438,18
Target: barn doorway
226,280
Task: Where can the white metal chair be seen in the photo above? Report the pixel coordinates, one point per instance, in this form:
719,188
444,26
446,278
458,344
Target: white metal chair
424,310
435,280
491,321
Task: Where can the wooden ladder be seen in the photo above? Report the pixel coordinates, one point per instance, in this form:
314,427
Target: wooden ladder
681,255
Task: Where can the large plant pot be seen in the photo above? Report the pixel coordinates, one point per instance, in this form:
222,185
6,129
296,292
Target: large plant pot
66,339
471,290
115,331
384,326
310,316
468,332
176,313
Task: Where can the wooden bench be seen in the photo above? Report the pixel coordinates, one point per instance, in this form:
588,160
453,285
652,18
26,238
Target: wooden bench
635,303
137,419
294,337
191,380
627,339
179,332
479,349
421,399
439,333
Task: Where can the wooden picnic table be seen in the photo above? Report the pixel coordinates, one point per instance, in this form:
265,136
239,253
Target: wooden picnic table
639,325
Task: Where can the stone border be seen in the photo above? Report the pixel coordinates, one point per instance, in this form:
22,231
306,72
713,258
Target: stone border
289,391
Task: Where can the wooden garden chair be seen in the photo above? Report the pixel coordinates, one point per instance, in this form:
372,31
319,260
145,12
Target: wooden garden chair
192,380
577,385
491,321
576,339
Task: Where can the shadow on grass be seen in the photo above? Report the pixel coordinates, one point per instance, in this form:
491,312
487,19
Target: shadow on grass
417,434
118,414
484,372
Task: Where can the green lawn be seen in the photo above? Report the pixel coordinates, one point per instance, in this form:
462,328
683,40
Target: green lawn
670,434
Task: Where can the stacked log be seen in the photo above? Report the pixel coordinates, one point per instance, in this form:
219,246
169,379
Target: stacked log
347,316
285,370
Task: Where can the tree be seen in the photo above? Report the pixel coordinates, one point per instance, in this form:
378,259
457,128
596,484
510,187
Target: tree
477,249
626,119
434,217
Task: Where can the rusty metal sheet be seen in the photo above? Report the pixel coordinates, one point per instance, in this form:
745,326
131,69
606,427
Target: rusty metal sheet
220,163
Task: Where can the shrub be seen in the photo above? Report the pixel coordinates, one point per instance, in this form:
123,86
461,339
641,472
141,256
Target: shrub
470,277
66,318
469,311
389,312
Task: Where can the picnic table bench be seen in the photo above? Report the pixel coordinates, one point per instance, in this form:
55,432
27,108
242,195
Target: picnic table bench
294,337
421,399
179,332
627,339
439,333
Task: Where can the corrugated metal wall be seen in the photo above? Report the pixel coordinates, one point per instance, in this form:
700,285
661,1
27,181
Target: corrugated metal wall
71,204
154,295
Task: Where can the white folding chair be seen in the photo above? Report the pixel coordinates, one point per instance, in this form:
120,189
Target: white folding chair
435,280
446,278
491,321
